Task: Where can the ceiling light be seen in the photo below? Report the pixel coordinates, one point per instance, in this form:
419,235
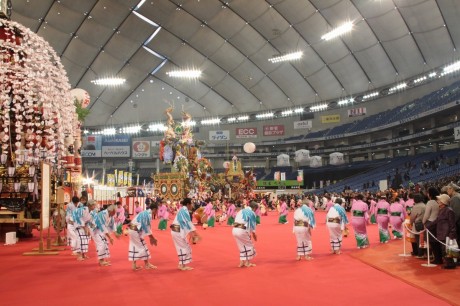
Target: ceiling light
243,118
109,81
344,28
184,73
287,112
131,129
432,75
188,123
451,68
421,79
109,131
346,101
371,95
210,121
397,87
231,119
298,110
157,127
318,107
264,115
286,57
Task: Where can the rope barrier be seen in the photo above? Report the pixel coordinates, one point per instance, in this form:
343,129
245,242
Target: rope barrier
447,247
415,233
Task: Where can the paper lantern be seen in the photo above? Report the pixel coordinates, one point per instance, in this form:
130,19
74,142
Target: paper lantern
249,147
226,164
282,160
81,96
302,156
336,158
316,161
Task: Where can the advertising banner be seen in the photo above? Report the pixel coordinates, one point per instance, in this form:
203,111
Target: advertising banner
354,112
116,146
91,146
141,148
250,132
305,124
219,135
330,119
273,130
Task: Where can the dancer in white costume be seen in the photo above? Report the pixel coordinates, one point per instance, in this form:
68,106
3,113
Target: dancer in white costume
336,222
139,228
182,227
243,229
304,222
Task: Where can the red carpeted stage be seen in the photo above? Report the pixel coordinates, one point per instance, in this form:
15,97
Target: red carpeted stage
374,276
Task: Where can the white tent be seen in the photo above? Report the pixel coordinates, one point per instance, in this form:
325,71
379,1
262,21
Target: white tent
336,158
282,160
316,161
302,156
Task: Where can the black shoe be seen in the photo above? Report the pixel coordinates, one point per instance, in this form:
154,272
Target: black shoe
437,262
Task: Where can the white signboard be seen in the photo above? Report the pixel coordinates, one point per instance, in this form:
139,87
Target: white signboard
141,149
457,133
219,135
305,124
116,151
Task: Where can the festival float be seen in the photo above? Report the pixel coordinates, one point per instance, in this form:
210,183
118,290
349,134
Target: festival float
192,175
36,117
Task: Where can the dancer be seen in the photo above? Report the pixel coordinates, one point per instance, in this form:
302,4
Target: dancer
119,218
304,221
163,215
81,219
283,212
210,212
104,225
383,217
397,217
137,208
231,213
139,228
71,232
373,211
243,228
358,221
336,222
181,227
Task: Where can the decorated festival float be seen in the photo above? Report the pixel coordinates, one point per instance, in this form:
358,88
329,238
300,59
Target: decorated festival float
192,175
39,129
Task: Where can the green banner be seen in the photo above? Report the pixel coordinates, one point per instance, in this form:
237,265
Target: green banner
272,184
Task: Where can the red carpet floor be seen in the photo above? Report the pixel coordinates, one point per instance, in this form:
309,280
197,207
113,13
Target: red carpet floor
278,279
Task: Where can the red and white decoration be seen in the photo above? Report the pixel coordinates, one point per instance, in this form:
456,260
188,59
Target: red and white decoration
34,95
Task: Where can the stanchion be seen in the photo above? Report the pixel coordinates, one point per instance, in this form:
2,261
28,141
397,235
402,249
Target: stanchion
429,265
404,242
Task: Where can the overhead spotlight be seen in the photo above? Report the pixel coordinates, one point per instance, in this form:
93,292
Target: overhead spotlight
421,79
344,28
109,131
243,118
191,74
157,127
319,107
346,101
189,123
264,115
298,110
231,119
210,121
451,68
397,87
287,112
371,95
109,81
286,57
